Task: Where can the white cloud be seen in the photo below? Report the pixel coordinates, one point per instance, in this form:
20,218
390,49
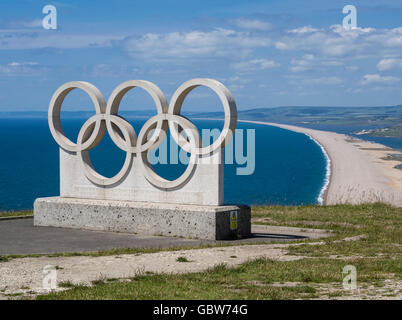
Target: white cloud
388,64
17,64
309,62
336,41
195,44
303,30
236,79
21,68
350,33
252,24
255,64
376,78
303,64
391,38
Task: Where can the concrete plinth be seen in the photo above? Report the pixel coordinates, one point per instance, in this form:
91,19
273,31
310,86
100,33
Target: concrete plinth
189,221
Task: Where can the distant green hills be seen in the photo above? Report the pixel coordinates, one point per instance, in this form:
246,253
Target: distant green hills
381,121
381,116
373,120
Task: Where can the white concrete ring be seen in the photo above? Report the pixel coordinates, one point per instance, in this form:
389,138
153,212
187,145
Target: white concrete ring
54,115
87,166
112,108
229,106
194,140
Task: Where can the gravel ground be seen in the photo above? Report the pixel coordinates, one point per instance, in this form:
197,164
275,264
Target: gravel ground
26,274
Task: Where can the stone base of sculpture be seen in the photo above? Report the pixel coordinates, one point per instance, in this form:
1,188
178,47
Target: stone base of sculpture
189,221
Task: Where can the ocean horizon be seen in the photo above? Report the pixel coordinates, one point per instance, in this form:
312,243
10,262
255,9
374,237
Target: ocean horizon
290,168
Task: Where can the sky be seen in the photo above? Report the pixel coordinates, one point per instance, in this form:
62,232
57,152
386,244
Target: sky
268,53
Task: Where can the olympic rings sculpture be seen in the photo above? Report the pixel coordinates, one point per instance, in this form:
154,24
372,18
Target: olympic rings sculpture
168,117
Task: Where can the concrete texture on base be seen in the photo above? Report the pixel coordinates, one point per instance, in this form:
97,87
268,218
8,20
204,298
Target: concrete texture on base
189,221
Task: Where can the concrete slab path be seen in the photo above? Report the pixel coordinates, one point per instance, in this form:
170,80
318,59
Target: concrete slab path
19,236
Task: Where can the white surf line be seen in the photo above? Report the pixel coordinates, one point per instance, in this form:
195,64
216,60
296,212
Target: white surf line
320,198
327,178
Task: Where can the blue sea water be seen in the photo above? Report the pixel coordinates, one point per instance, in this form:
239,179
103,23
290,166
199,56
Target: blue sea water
290,168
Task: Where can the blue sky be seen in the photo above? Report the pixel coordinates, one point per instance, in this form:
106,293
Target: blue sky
268,53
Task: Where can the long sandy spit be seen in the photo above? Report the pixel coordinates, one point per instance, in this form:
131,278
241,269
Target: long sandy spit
358,171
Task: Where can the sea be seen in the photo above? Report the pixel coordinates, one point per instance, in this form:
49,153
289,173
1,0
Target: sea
289,168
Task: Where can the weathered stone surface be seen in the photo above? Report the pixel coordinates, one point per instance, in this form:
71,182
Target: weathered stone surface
204,188
202,181
137,199
189,221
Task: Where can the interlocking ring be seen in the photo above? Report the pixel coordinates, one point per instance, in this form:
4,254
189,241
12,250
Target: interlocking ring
106,118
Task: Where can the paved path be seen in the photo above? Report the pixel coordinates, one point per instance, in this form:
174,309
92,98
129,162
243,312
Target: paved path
21,237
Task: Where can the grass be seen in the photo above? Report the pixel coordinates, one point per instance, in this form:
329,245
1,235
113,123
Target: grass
395,131
376,256
182,259
7,214
251,280
66,284
381,225
111,252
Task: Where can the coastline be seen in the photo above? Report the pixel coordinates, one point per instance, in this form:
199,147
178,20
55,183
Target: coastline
356,170
323,194
328,169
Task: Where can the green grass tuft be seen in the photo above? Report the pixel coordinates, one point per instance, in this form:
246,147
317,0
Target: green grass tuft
182,259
